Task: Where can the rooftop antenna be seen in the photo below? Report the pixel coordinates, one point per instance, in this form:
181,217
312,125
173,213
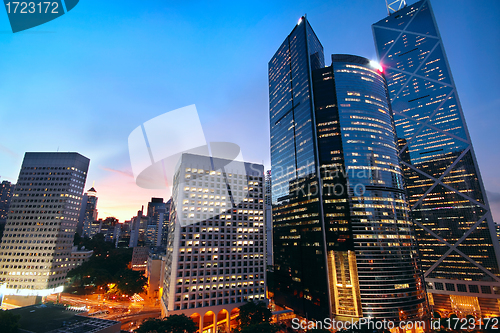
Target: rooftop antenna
394,5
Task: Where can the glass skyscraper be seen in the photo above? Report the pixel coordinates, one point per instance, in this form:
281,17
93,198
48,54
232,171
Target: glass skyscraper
344,246
456,234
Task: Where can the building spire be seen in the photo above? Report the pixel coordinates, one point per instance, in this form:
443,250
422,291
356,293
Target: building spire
394,5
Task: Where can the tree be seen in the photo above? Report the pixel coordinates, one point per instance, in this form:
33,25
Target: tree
171,324
110,221
180,324
9,322
109,267
255,317
77,239
254,313
151,325
261,328
130,282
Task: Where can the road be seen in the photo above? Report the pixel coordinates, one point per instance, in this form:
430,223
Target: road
130,314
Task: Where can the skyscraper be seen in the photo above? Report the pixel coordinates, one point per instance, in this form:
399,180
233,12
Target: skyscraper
344,246
455,230
36,247
88,213
268,217
157,213
6,192
215,259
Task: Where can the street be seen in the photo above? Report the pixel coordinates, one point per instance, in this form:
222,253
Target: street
130,313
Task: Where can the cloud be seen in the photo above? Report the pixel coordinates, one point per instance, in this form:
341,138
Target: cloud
123,173
9,152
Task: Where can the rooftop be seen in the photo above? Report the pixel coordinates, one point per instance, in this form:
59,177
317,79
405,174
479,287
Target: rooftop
44,318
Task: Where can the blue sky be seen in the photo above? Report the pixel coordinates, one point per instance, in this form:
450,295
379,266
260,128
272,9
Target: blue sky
84,81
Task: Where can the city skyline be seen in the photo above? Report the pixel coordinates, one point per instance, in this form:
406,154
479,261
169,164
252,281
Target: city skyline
226,79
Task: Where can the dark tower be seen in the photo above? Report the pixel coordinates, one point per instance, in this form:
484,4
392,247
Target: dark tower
455,229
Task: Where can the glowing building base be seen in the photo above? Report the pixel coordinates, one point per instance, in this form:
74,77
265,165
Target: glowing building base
30,292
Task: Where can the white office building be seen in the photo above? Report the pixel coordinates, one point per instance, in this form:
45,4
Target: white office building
216,249
37,243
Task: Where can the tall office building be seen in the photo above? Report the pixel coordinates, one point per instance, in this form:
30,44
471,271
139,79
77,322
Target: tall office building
138,228
157,213
455,229
88,213
6,192
215,259
268,217
166,222
38,239
344,246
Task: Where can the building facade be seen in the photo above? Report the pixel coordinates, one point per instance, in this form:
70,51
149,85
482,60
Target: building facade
6,193
344,245
455,229
140,258
268,216
88,215
38,239
79,256
215,258
155,271
156,214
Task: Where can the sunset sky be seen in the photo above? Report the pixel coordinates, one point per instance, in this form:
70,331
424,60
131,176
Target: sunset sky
84,81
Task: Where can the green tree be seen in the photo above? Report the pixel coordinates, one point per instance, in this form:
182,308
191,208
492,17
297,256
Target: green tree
151,325
108,267
77,239
255,317
261,328
130,282
98,244
180,324
171,324
254,313
9,322
110,221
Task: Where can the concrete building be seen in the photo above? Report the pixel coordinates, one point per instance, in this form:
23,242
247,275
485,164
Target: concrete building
88,214
140,258
36,247
78,257
6,193
110,228
268,213
155,271
215,258
138,229
158,215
